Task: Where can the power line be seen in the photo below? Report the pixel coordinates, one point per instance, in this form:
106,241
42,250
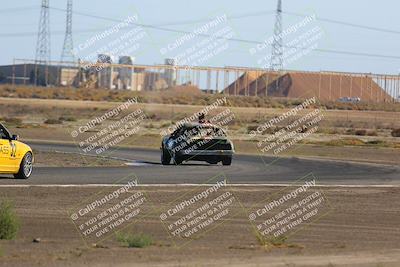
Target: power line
17,9
155,27
231,17
187,22
346,23
342,52
231,39
27,34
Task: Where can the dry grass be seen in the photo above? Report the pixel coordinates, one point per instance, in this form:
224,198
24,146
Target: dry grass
9,222
270,241
139,240
175,96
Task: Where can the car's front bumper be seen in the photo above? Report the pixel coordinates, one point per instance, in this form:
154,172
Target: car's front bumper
207,153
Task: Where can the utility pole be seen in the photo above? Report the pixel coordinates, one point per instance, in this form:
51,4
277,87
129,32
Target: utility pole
67,54
43,55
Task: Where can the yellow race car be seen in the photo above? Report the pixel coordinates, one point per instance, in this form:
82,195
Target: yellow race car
15,157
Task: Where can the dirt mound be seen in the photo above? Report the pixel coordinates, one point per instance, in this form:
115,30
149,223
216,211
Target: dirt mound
241,85
325,86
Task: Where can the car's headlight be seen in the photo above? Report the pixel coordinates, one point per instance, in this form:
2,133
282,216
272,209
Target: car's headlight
170,143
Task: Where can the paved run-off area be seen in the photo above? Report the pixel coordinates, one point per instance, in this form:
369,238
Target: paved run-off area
359,227
245,169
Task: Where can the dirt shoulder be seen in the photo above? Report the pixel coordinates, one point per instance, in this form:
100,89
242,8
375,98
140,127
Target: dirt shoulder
360,229
61,159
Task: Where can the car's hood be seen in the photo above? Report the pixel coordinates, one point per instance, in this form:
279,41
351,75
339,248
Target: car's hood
22,148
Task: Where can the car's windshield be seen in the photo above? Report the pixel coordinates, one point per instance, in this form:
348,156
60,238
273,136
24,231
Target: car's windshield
200,131
4,134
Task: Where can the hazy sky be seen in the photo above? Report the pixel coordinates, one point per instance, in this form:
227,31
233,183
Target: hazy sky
18,30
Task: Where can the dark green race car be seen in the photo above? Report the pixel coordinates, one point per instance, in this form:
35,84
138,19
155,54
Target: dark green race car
197,142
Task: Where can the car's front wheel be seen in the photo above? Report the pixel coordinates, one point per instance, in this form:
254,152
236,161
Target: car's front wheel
165,157
26,167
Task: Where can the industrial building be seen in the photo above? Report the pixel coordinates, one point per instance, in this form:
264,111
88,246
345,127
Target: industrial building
36,74
102,74
125,76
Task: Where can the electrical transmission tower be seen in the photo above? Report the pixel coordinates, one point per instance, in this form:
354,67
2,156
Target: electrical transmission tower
43,42
67,54
277,45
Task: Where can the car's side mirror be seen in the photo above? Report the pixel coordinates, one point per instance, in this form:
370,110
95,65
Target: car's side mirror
14,137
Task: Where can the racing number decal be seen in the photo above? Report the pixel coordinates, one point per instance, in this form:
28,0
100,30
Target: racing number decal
13,150
5,149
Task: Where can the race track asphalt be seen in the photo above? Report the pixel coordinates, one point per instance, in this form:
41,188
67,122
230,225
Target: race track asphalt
245,169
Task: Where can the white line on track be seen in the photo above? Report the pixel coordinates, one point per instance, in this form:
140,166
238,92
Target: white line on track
191,185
